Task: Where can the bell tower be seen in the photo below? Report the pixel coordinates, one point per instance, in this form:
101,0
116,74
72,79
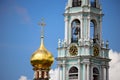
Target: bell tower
84,20
83,55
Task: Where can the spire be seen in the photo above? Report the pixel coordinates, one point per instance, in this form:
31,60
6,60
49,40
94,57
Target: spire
42,24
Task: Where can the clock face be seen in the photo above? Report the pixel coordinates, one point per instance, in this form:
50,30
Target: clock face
73,50
96,51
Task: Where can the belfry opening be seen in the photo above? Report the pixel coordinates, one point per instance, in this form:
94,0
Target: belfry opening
73,73
75,30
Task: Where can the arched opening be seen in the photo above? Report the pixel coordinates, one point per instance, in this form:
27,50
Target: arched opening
92,29
76,3
75,30
93,3
95,74
73,73
93,34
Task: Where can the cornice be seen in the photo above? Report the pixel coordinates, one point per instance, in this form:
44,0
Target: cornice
84,57
82,13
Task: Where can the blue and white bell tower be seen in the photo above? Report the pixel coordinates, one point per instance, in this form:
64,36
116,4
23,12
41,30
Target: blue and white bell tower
83,55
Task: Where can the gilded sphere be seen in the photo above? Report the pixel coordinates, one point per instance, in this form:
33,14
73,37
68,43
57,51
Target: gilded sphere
42,58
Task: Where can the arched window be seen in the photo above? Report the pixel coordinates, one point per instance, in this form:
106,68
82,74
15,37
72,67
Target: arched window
73,73
95,74
75,30
93,28
93,3
76,3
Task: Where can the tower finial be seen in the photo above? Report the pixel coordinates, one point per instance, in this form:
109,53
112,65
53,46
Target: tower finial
42,24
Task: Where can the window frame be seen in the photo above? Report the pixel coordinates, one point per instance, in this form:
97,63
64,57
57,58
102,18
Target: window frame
76,3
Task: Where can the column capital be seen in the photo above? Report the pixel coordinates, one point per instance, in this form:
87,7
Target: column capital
66,19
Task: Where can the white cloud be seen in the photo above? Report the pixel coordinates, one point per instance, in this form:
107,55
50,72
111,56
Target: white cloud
23,13
114,73
54,74
23,78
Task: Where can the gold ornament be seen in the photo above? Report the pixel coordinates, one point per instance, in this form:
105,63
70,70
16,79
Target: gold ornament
73,50
96,50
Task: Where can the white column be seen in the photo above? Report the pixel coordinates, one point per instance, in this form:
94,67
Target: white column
70,3
85,27
100,32
59,72
69,32
35,73
66,29
91,70
84,77
87,71
84,72
85,2
107,73
79,68
104,69
102,73
88,33
82,28
64,71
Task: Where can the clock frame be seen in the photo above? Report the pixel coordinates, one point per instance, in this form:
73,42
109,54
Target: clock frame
73,50
95,50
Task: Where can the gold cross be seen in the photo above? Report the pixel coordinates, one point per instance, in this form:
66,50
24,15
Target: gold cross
42,24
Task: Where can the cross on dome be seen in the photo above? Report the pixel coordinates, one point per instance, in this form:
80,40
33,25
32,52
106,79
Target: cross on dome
42,24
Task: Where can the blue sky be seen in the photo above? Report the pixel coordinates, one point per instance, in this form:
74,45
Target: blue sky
20,33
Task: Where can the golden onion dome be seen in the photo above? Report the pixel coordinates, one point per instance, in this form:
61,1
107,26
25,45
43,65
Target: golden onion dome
42,58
